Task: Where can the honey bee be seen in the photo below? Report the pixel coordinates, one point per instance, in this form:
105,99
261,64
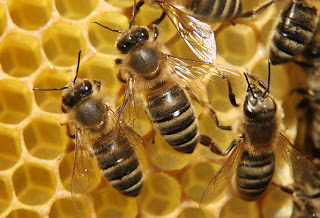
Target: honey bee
162,83
294,30
92,122
257,149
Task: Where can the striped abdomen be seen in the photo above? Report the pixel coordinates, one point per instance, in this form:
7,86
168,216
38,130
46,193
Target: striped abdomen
254,174
293,32
119,164
173,116
215,10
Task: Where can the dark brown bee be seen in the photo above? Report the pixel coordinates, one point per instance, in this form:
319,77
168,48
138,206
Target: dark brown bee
92,123
294,31
159,80
254,154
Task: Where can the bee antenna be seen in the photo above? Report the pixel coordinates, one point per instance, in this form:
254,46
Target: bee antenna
108,28
77,71
58,89
269,75
133,13
249,86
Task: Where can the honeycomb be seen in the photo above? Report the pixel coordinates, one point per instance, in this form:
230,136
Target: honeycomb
39,43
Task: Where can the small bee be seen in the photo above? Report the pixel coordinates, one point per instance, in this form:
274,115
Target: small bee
92,123
294,31
162,82
257,148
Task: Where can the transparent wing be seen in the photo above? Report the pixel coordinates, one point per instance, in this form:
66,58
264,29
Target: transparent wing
84,172
136,140
196,34
223,178
128,112
302,169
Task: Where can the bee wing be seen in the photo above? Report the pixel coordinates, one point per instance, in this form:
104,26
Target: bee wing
302,169
192,72
136,140
82,171
129,110
222,179
196,34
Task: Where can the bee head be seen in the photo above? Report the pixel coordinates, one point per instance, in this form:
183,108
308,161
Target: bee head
132,37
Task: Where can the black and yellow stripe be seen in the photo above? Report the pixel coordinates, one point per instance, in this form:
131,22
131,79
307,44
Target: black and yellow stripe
215,10
295,29
254,174
172,114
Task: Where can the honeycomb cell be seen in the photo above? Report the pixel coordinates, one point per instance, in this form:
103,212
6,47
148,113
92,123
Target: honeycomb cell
51,78
237,44
3,19
5,194
30,15
75,9
196,179
25,213
108,202
193,212
34,184
62,42
170,158
68,207
101,68
20,54
10,150
15,101
277,203
87,173
103,39
45,138
238,208
160,195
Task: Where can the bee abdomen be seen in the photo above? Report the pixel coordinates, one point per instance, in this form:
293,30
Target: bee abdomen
293,32
215,10
173,115
120,165
254,174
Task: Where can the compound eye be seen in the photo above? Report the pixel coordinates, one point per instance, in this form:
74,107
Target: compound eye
144,35
87,88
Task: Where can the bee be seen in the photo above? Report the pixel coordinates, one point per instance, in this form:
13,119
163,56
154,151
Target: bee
294,30
257,148
92,123
162,83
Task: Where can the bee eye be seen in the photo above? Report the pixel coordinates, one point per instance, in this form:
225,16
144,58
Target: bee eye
86,89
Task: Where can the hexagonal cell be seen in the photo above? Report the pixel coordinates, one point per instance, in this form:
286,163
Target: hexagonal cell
25,213
5,194
237,44
51,78
10,150
68,207
196,179
102,68
75,9
45,138
34,184
239,208
87,173
20,54
170,158
30,15
160,195
277,203
108,202
62,42
193,212
3,19
15,101
103,39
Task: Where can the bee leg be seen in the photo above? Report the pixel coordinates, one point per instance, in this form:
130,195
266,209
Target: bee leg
72,136
305,64
215,117
261,84
209,142
232,97
259,10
